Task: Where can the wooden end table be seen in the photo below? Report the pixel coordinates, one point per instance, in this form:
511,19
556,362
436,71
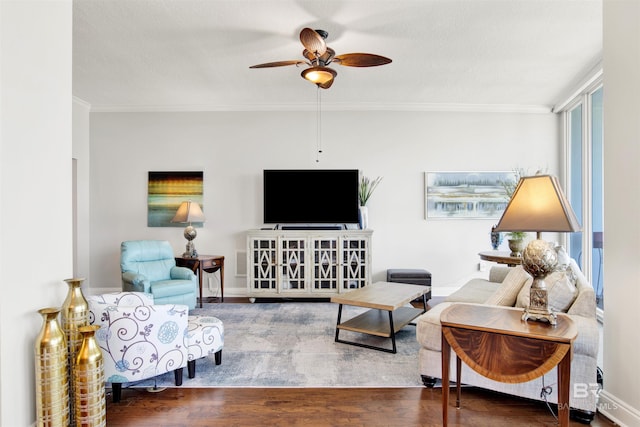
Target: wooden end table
501,258
380,297
204,263
498,344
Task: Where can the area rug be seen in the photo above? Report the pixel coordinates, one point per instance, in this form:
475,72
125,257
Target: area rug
291,344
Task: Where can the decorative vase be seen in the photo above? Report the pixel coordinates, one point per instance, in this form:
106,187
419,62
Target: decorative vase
52,380
88,381
496,238
363,217
73,315
516,246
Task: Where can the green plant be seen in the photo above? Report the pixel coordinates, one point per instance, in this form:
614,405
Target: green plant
366,189
510,186
517,235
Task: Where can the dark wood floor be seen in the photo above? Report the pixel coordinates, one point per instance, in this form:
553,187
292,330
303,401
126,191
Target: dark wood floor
312,407
324,407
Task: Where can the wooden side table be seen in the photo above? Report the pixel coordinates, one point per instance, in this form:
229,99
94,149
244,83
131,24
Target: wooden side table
204,263
498,344
501,258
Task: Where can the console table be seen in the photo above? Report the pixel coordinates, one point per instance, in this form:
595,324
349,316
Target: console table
204,263
498,344
307,263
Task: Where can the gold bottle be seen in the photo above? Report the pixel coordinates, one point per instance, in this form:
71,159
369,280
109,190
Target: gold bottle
74,314
88,381
52,381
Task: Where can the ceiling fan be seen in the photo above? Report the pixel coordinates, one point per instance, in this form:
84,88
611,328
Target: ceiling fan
319,56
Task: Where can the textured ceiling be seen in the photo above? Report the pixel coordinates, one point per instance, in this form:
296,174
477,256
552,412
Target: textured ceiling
195,55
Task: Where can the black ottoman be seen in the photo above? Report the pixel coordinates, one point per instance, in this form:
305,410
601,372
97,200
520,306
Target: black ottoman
410,276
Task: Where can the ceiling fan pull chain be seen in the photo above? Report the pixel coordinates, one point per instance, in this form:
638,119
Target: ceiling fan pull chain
318,125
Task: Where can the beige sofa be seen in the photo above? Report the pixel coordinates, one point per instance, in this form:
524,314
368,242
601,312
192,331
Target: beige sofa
573,295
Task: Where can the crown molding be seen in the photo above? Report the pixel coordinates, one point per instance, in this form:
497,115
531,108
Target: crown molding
81,102
415,107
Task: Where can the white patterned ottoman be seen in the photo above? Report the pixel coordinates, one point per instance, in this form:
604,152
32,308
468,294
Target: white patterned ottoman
205,336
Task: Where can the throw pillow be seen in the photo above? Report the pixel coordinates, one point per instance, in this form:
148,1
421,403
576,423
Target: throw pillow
561,292
563,258
564,264
507,293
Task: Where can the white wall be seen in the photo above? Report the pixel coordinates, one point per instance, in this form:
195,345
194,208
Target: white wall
620,399
233,148
35,187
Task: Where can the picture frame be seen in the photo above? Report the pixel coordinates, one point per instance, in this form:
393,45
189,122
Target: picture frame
166,191
467,194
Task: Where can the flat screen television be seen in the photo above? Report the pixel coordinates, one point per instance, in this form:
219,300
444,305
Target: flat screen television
311,196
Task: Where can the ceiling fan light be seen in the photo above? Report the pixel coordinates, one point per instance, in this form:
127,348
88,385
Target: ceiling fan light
319,75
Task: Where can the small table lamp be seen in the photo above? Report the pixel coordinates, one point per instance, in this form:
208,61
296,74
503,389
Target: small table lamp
538,204
189,212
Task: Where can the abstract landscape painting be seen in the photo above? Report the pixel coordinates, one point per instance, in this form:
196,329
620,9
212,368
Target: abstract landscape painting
166,190
467,195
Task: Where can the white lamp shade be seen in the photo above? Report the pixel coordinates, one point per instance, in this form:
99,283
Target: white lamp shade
189,212
538,204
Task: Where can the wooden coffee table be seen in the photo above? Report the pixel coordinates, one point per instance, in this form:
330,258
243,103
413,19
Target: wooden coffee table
388,313
496,343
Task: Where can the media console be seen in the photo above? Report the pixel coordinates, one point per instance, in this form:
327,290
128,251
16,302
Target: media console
307,263
309,227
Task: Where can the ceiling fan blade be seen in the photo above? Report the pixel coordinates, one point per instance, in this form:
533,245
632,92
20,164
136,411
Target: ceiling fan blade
361,60
313,42
280,64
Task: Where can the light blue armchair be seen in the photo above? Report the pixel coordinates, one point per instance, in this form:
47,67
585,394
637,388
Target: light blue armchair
149,266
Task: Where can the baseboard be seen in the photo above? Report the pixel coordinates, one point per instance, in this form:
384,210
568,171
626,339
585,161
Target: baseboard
617,410
242,292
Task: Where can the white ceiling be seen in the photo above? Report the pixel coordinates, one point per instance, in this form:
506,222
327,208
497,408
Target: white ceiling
162,55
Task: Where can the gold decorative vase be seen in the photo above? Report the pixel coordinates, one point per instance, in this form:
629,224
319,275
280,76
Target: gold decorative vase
73,315
52,381
88,381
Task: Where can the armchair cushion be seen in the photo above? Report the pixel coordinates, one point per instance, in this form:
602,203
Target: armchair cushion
165,288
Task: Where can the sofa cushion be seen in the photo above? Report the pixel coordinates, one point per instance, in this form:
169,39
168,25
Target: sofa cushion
561,291
507,292
476,290
428,328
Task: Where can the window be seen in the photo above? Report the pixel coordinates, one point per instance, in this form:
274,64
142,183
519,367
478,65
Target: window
584,141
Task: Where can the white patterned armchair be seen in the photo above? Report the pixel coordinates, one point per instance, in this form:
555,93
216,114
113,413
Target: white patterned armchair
138,339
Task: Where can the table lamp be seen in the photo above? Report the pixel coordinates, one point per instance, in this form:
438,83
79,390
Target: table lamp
538,204
189,212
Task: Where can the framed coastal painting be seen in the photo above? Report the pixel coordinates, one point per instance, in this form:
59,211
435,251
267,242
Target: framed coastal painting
166,190
467,195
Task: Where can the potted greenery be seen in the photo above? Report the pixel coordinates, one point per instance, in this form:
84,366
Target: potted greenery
516,242
365,191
